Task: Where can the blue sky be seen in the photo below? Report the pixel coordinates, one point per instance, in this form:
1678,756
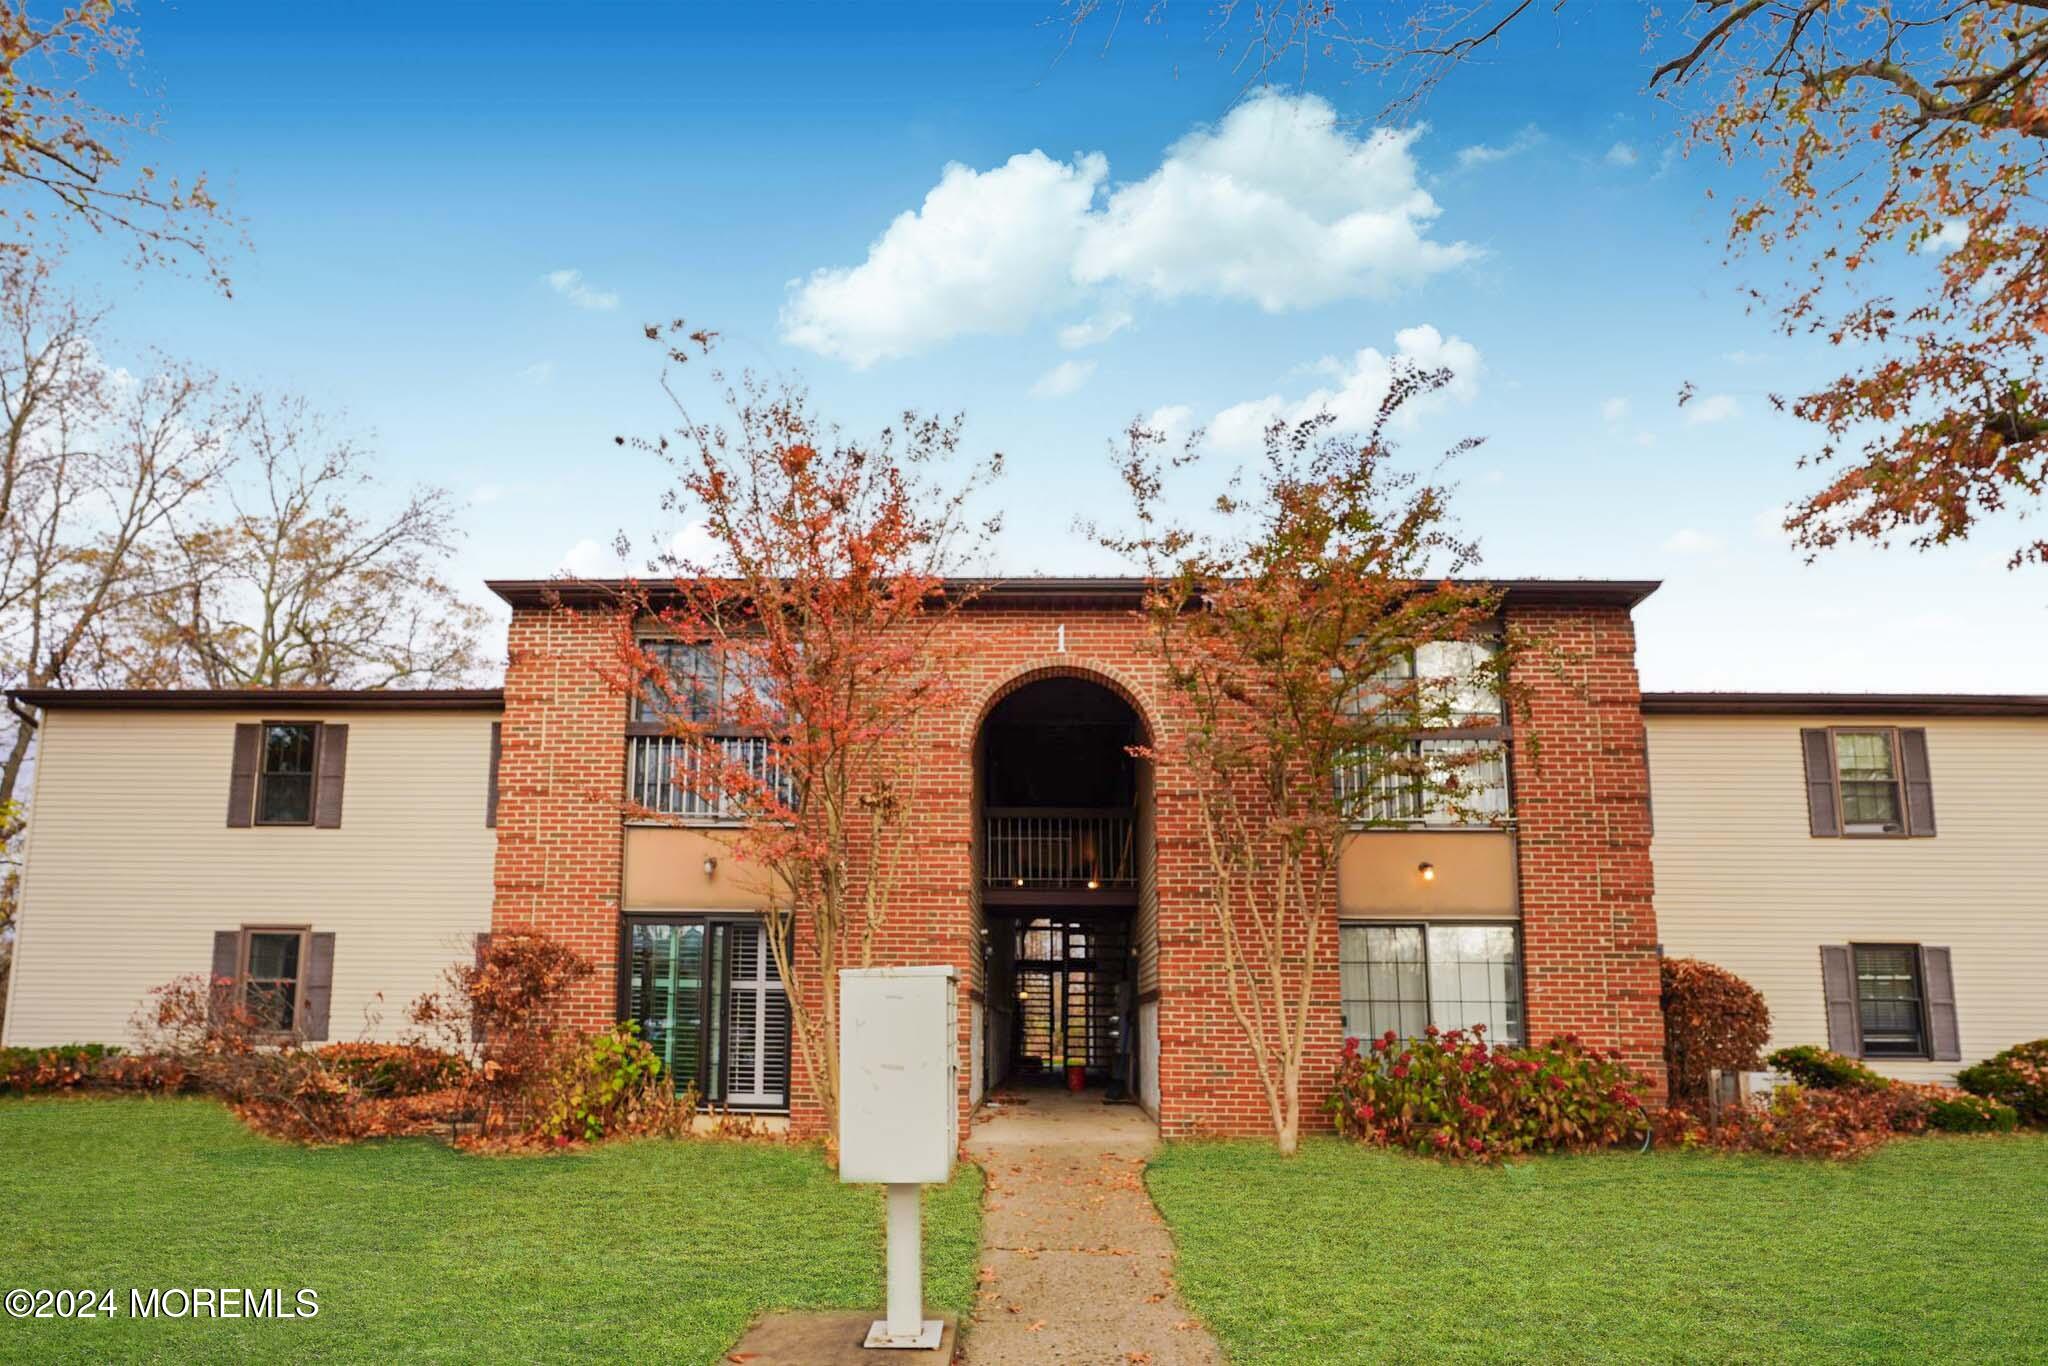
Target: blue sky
420,182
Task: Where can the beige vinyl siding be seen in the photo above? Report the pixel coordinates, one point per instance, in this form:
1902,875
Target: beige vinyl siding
1741,883
131,866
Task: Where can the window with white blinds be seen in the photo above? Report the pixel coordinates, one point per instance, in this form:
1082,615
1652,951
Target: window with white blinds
757,1044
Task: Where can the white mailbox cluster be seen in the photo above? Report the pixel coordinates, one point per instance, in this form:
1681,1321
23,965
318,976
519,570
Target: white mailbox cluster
899,1116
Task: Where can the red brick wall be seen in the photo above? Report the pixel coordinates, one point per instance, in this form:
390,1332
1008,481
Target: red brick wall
1582,809
561,773
1589,930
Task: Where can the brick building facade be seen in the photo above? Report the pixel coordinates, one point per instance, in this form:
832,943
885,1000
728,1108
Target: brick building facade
1065,881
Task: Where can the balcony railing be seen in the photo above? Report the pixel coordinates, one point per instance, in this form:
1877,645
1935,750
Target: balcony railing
671,775
1058,848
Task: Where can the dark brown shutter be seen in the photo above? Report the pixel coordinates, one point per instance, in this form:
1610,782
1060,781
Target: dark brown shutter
1838,979
319,988
476,1029
491,793
1919,783
1822,816
1944,1039
242,776
227,965
330,766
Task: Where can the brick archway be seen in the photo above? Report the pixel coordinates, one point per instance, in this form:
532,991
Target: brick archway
1002,915
1088,670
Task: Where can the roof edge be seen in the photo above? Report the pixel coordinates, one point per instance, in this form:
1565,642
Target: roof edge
1050,591
262,699
1843,704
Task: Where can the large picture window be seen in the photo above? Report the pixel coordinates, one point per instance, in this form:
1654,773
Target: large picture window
1408,977
706,995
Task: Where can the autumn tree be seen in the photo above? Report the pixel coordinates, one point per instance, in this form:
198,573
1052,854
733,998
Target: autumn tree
134,553
95,465
64,162
798,653
288,581
1897,144
1290,621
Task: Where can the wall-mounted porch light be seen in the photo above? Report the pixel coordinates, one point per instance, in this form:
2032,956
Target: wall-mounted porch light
1094,884
710,867
1428,871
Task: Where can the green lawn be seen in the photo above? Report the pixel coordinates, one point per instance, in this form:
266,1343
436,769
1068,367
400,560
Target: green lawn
643,1250
1928,1250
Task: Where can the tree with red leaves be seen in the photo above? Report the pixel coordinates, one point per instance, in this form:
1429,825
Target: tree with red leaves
811,643
1897,144
1289,624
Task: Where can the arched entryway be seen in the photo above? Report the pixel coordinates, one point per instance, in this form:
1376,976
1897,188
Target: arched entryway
1063,887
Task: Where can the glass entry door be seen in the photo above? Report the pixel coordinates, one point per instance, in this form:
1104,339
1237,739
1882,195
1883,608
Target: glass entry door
675,972
707,998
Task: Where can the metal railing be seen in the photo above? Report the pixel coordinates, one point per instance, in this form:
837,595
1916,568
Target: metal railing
669,775
1048,847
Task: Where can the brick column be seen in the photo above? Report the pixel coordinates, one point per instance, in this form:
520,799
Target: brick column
1582,808
561,778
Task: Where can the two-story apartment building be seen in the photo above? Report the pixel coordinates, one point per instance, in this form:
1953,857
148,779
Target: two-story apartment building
1874,864
368,838
334,848
1871,863
1064,879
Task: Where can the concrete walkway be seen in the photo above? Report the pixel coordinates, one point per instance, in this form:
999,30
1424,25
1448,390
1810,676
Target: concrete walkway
1075,1265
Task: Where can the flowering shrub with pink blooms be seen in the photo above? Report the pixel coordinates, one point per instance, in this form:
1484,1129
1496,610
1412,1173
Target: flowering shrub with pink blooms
1452,1094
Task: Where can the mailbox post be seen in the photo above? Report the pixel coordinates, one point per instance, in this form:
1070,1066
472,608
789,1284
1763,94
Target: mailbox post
899,1116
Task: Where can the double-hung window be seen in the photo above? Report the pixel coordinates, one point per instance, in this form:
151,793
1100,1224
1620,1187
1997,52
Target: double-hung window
272,977
706,995
1868,781
1405,978
1455,777
1890,1001
284,780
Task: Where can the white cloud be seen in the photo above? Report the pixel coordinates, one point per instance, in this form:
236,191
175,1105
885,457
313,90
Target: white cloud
1485,154
1769,525
1360,386
569,284
1687,541
1745,357
1063,379
985,253
592,559
1712,408
488,493
1096,330
1948,235
694,547
1621,154
1277,205
1614,410
1174,422
540,372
